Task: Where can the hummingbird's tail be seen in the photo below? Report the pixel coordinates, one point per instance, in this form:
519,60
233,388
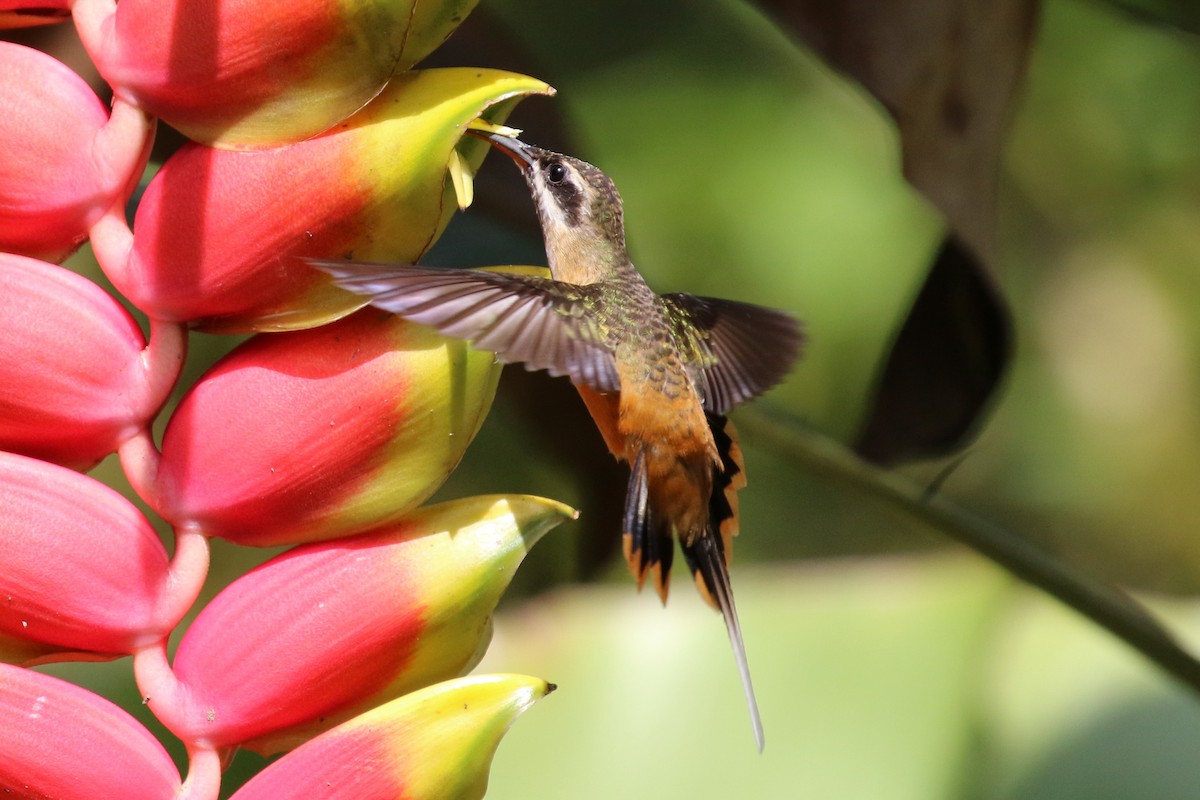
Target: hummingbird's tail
708,555
649,543
708,565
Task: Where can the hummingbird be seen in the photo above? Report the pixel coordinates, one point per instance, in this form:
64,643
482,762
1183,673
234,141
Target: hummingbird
658,373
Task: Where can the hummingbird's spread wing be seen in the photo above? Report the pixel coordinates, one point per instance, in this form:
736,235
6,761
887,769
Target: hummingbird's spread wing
542,323
734,351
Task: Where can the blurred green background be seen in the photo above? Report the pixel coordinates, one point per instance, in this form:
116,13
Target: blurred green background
889,664
750,170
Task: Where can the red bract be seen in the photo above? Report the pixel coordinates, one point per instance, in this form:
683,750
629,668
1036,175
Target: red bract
63,161
60,741
315,434
74,383
328,630
249,73
219,235
82,573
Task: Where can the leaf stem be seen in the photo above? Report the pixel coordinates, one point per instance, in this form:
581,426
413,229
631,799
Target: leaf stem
1106,606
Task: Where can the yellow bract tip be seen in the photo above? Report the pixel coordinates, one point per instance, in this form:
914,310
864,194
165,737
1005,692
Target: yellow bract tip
491,127
463,178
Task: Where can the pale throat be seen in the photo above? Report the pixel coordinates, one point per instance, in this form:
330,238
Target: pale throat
581,259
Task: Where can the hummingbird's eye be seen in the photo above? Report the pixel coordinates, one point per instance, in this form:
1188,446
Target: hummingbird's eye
556,173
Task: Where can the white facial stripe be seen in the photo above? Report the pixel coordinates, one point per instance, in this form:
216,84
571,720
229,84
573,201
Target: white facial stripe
552,213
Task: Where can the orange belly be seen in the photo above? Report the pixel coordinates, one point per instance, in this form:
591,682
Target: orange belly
606,411
679,450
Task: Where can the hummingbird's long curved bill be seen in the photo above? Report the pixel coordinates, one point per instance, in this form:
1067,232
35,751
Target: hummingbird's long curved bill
514,148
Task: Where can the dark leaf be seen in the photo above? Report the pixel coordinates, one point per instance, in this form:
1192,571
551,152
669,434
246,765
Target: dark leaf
946,362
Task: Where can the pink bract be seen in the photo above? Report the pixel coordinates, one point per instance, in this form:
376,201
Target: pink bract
63,161
435,744
73,383
219,237
82,573
58,740
244,73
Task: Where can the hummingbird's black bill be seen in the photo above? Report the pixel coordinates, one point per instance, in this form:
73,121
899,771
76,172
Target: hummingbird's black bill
515,149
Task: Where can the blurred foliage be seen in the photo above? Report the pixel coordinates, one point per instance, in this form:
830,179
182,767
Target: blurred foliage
1183,15
1095,443
928,678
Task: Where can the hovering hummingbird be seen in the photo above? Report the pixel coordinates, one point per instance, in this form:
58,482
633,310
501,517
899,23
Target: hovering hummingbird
658,373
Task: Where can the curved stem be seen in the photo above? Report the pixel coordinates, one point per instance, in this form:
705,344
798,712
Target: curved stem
1113,610
161,690
163,359
204,775
161,363
122,147
139,460
93,23
112,242
189,569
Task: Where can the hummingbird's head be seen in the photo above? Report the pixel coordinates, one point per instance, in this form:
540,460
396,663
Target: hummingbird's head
578,205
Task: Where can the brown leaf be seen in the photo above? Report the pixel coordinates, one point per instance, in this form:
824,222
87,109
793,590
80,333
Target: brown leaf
947,71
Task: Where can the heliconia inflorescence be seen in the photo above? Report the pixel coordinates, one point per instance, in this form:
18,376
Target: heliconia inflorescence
312,137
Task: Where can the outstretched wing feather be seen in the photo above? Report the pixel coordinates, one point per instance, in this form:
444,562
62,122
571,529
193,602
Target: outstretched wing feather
542,323
734,351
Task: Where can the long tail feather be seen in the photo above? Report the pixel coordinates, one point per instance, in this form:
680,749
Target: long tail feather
707,561
709,555
648,544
